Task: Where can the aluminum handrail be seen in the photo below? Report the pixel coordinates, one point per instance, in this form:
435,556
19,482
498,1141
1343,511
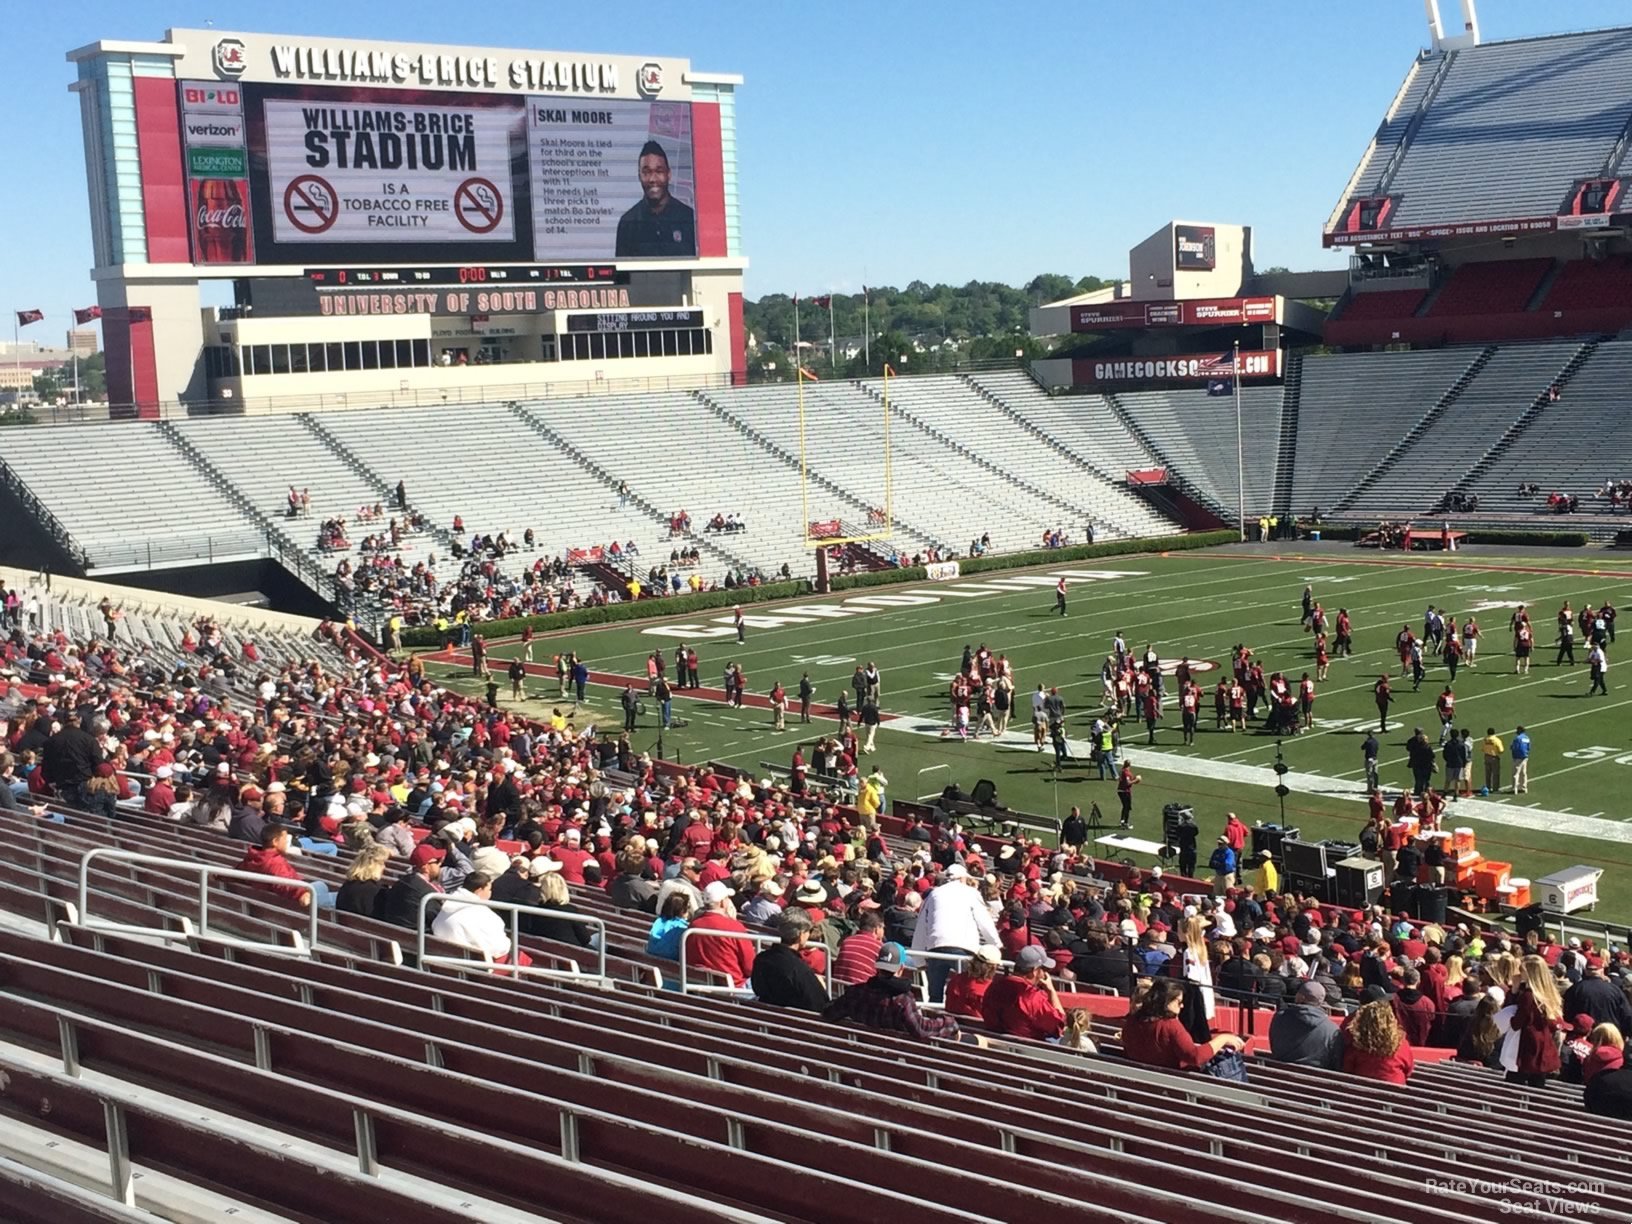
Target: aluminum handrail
205,872
515,910
689,987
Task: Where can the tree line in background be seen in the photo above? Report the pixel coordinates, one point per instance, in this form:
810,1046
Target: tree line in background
921,329
58,384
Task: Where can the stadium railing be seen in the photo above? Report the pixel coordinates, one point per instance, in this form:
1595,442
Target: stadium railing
205,872
513,968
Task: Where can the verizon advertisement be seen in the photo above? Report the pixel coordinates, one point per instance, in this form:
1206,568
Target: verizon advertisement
1204,312
373,175
217,161
1195,367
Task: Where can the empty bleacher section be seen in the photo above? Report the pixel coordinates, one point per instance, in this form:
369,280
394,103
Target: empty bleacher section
1384,304
1509,129
1571,446
677,453
1354,408
1592,285
1193,435
1497,287
1431,455
951,483
963,416
1083,425
127,497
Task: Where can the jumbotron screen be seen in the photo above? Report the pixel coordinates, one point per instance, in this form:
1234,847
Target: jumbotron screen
313,174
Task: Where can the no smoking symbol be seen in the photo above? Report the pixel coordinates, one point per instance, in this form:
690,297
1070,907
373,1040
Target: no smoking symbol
310,204
478,205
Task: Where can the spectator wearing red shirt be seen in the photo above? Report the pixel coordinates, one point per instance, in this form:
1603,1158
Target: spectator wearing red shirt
1154,1035
269,859
161,796
1023,1002
733,958
572,856
1414,1010
858,953
966,988
1374,1045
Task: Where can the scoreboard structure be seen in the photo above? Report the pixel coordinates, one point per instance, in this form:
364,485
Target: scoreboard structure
402,221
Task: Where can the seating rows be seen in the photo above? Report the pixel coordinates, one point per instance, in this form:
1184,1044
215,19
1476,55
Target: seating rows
1496,287
484,464
677,454
128,498
958,410
263,455
1513,126
1396,123
1353,408
1084,425
931,483
1507,385
1384,304
885,1112
1195,433
1585,284
1572,445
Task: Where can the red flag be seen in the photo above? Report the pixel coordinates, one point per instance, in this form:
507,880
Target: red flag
889,369
25,317
821,303
804,373
86,315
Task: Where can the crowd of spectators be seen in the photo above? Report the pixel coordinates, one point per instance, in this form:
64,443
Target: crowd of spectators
356,752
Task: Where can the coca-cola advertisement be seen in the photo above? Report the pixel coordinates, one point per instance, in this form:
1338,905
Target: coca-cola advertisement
221,221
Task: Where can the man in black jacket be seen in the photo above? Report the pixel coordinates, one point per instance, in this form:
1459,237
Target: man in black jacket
399,904
70,758
1597,996
1610,1094
780,975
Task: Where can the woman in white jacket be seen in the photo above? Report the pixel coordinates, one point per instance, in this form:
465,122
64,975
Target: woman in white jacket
1197,967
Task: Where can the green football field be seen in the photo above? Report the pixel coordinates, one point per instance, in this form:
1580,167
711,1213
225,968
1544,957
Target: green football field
1196,605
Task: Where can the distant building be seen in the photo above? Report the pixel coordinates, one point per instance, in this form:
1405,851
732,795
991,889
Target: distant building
82,340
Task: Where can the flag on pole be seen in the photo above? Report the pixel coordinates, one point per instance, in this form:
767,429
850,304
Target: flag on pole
889,369
86,315
25,317
821,303
805,373
1219,386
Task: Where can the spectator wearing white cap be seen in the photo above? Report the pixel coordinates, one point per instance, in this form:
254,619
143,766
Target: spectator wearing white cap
161,796
731,958
766,906
954,920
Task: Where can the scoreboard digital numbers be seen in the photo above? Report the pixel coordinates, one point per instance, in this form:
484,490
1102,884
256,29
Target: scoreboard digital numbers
523,274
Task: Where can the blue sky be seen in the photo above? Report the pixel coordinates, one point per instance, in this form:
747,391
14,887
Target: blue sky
880,142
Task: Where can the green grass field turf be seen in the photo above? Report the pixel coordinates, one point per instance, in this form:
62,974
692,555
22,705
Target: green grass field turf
1196,605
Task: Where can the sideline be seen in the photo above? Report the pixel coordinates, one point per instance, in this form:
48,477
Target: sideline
1536,819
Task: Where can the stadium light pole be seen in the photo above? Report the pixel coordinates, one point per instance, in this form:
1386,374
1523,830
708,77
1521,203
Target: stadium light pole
1240,460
